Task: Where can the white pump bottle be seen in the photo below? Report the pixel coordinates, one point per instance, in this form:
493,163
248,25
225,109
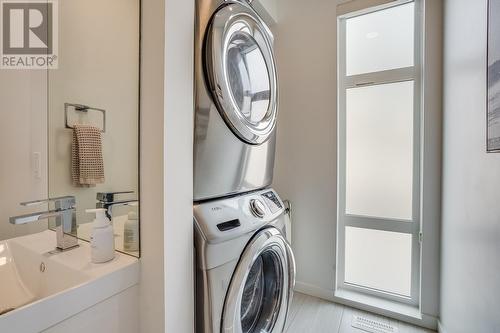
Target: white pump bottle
102,240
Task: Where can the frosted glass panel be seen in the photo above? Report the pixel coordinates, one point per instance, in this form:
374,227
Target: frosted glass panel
379,150
380,40
378,259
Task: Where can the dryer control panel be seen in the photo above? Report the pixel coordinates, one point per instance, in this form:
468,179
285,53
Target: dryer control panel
228,218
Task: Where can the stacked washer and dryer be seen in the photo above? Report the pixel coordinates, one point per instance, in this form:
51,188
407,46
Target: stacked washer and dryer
245,270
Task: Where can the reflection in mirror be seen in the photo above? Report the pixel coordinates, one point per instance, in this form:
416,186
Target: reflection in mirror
23,147
93,115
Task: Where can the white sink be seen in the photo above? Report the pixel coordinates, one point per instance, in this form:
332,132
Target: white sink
40,287
28,276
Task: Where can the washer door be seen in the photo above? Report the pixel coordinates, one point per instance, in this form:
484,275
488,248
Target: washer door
261,287
241,73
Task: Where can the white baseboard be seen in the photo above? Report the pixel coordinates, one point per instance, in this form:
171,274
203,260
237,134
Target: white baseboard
311,290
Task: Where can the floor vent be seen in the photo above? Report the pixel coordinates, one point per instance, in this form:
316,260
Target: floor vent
372,326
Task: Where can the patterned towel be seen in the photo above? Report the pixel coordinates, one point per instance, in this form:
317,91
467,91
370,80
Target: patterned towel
87,166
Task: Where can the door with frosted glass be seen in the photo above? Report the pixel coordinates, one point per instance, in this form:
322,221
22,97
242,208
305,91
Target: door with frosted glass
379,153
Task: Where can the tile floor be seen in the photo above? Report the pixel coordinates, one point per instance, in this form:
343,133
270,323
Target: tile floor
313,315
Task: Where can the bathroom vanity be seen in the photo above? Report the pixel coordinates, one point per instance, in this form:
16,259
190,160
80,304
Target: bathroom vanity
50,119
46,290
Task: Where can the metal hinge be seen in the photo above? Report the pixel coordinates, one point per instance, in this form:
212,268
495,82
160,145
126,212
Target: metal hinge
420,237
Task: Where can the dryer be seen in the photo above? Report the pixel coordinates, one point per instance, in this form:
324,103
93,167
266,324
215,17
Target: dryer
245,269
236,100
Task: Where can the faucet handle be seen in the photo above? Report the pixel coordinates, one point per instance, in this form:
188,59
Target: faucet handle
65,202
110,196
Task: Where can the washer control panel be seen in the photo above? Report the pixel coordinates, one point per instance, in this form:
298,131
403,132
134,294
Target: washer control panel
228,218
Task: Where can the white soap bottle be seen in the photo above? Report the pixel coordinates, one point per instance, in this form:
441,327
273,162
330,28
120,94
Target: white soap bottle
131,232
102,239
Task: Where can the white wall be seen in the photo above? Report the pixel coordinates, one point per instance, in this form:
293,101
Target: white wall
305,170
431,166
152,285
470,289
178,181
166,289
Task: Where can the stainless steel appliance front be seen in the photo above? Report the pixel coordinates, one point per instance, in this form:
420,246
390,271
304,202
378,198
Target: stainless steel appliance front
235,100
245,270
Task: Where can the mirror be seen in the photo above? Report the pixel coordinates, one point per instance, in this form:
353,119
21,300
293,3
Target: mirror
74,130
98,68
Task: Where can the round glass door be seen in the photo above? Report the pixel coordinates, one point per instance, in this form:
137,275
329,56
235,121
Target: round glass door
241,72
259,292
247,75
262,294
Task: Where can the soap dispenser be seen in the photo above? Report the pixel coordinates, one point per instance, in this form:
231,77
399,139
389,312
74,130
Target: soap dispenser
102,240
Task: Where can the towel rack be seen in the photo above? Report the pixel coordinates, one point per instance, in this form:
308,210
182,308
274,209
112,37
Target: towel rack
83,108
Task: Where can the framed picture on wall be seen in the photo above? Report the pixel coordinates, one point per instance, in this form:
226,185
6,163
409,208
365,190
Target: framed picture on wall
493,103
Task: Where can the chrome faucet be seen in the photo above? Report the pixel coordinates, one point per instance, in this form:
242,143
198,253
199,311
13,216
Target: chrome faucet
107,201
64,213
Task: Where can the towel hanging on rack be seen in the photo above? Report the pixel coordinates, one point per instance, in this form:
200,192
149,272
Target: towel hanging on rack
87,165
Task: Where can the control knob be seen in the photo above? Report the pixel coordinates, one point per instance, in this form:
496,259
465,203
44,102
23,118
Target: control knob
257,207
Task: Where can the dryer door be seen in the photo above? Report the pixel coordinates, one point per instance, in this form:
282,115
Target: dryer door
261,286
240,70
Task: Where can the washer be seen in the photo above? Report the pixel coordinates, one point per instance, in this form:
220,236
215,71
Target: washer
236,100
245,269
